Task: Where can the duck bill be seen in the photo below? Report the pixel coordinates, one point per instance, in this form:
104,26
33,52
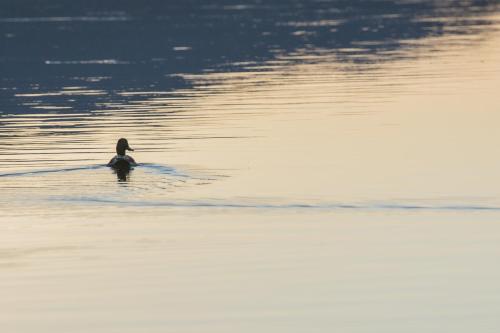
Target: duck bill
128,148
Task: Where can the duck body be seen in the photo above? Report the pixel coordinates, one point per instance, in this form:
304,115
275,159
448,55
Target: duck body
122,162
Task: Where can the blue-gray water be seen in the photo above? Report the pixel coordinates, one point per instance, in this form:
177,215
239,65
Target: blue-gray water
303,166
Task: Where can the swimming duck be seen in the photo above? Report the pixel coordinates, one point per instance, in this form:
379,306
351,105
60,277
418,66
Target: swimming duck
122,160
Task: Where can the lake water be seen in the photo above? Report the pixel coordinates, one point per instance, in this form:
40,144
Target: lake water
305,166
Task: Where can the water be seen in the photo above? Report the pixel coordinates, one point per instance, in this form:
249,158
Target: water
304,166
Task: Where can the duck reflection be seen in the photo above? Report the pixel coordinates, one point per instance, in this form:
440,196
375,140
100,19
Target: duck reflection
122,173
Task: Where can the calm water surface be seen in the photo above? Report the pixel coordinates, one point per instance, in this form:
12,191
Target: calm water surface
304,166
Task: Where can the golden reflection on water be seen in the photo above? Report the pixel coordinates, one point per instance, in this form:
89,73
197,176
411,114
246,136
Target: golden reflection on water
415,129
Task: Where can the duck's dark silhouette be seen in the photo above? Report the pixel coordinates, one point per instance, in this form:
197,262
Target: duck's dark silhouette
121,158
122,163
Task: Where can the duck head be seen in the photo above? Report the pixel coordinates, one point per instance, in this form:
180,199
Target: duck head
121,146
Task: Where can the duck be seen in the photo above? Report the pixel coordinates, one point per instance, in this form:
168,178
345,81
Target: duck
122,160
